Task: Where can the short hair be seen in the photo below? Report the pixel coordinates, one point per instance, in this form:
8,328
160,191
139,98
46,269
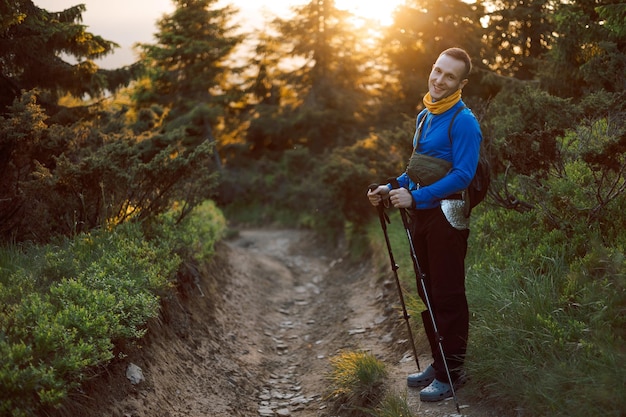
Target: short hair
461,55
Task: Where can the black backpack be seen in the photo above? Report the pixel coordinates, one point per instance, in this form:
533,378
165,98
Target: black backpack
477,190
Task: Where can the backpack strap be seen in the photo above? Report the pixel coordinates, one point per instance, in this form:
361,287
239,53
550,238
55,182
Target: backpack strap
420,124
452,122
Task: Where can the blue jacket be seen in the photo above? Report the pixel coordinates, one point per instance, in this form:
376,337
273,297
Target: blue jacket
462,152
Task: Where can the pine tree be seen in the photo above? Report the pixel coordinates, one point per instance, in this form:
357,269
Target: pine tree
520,32
33,45
589,52
189,72
324,91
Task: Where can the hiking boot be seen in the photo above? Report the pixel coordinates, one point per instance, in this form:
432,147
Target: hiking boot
436,391
421,379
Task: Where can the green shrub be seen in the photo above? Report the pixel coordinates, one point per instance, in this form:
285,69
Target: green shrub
194,236
65,306
68,179
547,312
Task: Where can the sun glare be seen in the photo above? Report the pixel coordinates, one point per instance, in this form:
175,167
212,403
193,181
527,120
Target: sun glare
379,11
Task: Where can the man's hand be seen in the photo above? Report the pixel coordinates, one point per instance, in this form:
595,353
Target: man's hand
378,194
401,198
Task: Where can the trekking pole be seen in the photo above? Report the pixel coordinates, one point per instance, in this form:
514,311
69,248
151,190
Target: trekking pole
420,276
384,219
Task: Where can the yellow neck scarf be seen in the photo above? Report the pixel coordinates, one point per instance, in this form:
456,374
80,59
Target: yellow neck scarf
443,105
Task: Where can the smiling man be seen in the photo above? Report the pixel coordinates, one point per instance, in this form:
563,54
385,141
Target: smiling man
446,147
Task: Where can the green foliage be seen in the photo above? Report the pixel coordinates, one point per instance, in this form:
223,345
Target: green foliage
278,190
67,306
577,192
596,290
531,246
548,343
525,108
589,53
63,180
186,61
356,380
520,32
194,236
322,191
321,100
614,16
187,73
547,288
51,35
392,405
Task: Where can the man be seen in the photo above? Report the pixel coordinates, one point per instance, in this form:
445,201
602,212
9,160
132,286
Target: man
438,227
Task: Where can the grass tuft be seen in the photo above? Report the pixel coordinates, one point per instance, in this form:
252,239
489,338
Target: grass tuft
392,405
357,381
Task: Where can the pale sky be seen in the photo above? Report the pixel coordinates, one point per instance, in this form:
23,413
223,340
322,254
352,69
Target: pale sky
127,22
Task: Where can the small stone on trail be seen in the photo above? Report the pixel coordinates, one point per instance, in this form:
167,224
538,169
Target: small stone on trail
266,412
134,374
387,339
407,357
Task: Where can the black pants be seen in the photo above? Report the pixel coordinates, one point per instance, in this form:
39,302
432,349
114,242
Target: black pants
441,250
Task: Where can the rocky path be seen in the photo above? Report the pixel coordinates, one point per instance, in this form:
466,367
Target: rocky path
302,325
322,305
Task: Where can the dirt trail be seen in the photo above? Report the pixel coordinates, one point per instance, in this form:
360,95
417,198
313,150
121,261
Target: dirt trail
252,334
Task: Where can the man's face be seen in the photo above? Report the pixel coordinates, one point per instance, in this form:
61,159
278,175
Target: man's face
446,77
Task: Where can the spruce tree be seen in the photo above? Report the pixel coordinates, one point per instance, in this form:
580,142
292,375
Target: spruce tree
589,52
520,32
189,72
35,49
323,72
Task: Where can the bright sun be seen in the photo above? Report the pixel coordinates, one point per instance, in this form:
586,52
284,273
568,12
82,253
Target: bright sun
379,11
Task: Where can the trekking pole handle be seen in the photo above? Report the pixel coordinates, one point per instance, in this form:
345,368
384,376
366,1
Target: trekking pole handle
384,218
394,183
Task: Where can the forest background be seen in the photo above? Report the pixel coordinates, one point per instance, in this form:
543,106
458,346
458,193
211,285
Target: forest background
292,129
